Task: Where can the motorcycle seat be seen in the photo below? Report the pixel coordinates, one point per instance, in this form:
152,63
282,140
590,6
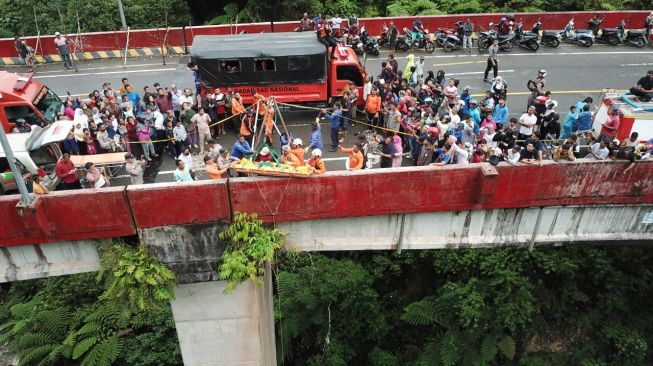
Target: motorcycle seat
635,31
551,32
583,30
609,30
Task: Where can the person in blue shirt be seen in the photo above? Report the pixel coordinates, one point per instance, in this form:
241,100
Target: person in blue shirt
316,137
417,28
567,125
133,97
475,113
335,118
584,120
500,114
466,97
582,103
241,148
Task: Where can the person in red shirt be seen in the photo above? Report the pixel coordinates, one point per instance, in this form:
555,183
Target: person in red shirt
66,171
610,127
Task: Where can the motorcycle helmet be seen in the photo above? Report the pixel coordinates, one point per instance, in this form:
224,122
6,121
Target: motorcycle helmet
542,72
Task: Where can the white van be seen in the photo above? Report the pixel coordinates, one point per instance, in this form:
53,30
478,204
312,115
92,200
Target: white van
37,150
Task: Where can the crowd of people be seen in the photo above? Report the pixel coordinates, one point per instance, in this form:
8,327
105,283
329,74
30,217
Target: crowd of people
412,117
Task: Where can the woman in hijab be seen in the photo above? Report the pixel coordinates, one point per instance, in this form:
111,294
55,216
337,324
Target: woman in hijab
429,77
398,156
411,63
80,118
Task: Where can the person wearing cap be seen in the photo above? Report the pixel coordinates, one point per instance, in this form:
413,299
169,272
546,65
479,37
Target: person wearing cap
134,168
298,149
247,124
611,125
475,113
212,169
644,87
316,162
264,155
62,47
289,158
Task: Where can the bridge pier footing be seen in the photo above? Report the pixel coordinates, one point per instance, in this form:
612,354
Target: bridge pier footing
221,329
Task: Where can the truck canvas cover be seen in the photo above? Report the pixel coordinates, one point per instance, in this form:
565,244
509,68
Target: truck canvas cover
259,59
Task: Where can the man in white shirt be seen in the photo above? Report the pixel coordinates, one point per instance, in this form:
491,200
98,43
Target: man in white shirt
526,123
367,88
514,155
462,155
187,158
335,26
599,151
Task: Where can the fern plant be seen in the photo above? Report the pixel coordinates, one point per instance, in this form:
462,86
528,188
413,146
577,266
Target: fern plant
249,246
133,277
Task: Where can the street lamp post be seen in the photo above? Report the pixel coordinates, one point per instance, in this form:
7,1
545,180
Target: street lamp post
122,15
25,198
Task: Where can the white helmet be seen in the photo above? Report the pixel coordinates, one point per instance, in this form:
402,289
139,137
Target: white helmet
316,152
297,141
543,72
57,33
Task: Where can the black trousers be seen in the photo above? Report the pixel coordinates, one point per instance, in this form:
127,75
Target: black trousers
492,66
329,42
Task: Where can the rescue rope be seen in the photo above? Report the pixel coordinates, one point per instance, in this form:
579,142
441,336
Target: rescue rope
171,139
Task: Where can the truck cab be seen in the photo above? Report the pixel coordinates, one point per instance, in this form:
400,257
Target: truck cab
36,152
344,69
24,98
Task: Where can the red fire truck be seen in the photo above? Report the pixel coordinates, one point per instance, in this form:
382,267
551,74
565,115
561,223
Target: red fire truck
22,97
293,67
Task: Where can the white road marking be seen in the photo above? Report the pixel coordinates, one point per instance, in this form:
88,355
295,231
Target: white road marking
104,73
626,65
476,72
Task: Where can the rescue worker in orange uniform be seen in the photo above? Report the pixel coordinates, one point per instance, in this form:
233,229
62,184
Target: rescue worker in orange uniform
355,160
247,125
289,158
237,109
298,149
268,122
373,107
316,162
262,102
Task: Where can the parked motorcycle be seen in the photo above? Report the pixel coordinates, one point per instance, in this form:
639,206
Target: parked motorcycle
441,35
402,43
454,40
608,35
548,38
633,37
506,42
527,40
583,37
423,40
370,45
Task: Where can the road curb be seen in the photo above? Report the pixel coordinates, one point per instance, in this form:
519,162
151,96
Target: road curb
98,55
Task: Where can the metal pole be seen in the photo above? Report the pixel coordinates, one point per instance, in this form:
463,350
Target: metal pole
122,15
183,34
25,197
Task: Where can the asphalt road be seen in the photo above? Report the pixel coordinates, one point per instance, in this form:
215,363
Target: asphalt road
573,73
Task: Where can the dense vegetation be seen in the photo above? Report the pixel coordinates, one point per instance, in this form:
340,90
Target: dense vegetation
118,316
554,306
587,306
21,16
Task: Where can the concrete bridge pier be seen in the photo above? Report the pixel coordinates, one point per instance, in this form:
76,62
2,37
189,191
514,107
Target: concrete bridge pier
213,328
